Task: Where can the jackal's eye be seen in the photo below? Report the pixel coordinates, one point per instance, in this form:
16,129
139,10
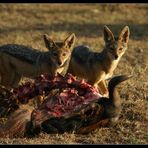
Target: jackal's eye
111,48
64,54
55,54
120,49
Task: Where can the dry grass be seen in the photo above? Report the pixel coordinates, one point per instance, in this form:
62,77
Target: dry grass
25,24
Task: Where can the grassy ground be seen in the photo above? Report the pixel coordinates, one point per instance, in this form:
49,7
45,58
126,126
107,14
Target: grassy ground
25,24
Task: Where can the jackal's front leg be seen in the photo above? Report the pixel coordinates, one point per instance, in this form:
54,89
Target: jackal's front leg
15,79
103,88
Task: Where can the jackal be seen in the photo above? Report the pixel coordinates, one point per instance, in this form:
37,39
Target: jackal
97,67
19,60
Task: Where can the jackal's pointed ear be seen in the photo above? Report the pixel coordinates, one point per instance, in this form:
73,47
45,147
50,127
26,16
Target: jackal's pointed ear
48,42
70,41
108,35
124,35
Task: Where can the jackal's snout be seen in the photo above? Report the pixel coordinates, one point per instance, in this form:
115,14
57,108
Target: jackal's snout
59,63
116,57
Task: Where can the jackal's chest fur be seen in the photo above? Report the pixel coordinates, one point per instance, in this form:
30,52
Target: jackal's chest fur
110,67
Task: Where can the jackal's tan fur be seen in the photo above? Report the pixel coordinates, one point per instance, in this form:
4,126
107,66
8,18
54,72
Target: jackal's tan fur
97,67
19,60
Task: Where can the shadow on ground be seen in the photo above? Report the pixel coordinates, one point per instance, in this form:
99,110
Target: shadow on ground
138,31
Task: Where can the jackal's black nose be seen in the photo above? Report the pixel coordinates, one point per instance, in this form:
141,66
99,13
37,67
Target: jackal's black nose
116,57
59,63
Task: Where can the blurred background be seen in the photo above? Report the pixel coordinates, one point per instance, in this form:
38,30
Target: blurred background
29,21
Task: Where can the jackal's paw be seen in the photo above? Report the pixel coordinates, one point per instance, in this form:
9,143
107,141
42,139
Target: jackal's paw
106,94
